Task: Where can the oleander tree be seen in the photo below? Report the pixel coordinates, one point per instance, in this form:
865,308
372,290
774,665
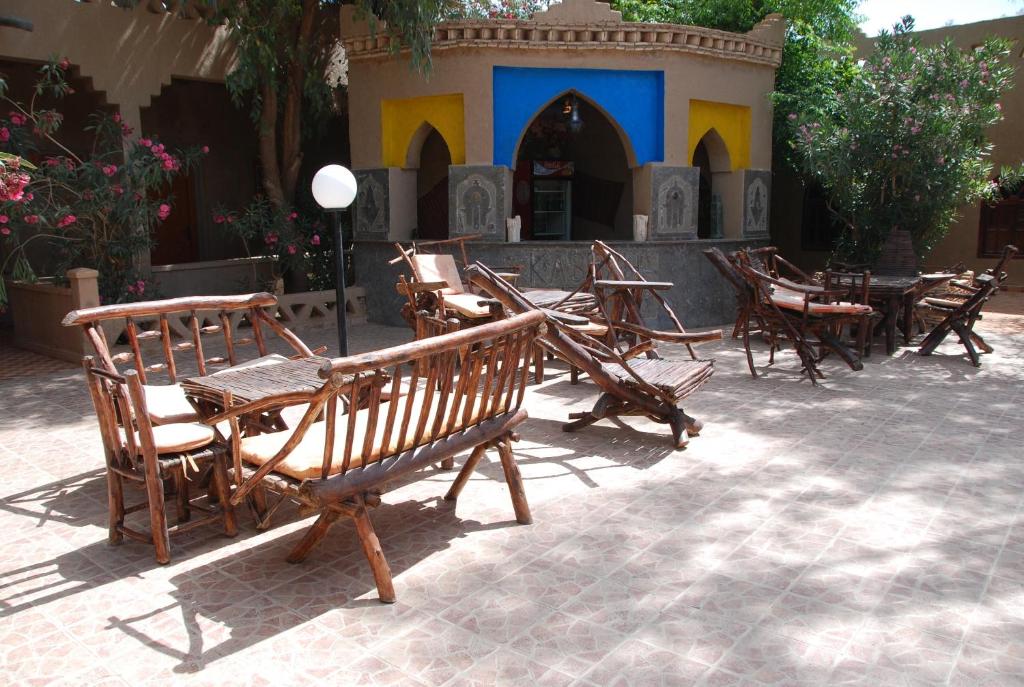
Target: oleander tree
905,144
96,209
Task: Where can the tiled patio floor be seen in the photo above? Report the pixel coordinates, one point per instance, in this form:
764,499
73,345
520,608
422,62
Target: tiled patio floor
864,532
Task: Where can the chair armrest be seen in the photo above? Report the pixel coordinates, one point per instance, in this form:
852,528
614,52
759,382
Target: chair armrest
623,284
420,286
669,337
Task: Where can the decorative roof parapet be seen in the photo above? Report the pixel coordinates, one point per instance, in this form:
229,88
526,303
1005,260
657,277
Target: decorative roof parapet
583,25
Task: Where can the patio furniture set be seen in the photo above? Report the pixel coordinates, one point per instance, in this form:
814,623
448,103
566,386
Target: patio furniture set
840,311
332,435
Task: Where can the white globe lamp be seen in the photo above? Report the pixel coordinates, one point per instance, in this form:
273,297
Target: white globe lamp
334,189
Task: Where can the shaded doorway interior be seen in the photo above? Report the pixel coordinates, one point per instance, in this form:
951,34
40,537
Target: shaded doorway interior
432,161
572,178
711,157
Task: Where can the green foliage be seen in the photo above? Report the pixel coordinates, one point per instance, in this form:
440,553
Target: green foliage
904,145
819,35
300,238
97,211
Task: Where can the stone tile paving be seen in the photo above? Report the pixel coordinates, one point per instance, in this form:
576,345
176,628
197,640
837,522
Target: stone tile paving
864,532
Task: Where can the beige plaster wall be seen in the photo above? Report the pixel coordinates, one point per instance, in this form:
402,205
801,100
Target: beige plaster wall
129,54
469,71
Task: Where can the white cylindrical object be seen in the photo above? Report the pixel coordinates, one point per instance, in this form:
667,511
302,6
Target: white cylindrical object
514,226
639,227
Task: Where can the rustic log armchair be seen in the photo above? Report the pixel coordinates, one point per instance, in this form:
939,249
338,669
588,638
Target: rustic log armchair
470,398
139,454
960,316
807,315
622,290
437,286
648,387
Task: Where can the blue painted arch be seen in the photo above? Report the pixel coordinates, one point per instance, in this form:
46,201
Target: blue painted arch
633,100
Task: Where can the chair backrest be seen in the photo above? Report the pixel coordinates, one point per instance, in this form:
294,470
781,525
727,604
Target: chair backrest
624,315
576,347
472,376
999,271
856,285
728,270
437,268
123,425
156,321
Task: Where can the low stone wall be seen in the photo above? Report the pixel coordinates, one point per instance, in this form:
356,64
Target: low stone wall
214,277
701,297
37,310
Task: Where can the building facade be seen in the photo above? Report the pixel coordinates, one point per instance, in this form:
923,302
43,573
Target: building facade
574,120
162,67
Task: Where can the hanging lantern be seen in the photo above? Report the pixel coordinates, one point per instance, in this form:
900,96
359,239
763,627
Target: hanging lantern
575,121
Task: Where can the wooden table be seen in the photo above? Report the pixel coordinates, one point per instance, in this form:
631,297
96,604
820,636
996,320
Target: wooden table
248,384
894,294
889,295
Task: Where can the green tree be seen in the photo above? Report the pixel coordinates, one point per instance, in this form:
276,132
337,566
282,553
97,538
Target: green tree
284,50
905,144
819,34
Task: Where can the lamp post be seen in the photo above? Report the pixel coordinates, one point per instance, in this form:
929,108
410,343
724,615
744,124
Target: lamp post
334,189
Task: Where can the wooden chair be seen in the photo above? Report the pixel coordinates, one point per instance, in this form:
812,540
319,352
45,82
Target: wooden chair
804,314
440,287
147,457
470,398
649,387
855,288
179,325
961,316
621,291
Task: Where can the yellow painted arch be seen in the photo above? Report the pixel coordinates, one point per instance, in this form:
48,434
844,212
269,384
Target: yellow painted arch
732,122
401,118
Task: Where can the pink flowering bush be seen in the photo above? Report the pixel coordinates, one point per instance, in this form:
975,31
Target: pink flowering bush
301,241
904,144
97,210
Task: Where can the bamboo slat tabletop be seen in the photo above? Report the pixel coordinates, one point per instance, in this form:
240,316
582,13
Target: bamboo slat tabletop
253,383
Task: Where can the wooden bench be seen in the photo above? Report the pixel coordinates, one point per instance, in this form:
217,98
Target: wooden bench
399,420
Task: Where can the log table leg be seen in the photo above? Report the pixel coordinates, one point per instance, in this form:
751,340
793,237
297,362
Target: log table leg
908,317
891,315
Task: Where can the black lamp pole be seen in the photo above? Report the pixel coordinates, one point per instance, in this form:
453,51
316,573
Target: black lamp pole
339,252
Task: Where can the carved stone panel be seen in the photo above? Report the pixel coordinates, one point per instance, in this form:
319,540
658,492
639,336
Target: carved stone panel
372,214
477,200
757,187
674,203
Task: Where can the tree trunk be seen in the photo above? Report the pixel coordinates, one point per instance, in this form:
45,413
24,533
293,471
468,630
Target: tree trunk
291,129
268,143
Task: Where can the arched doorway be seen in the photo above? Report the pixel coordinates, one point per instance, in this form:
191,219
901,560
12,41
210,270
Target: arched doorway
430,157
711,157
572,177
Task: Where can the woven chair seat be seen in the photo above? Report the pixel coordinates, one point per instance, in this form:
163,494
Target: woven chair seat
678,378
